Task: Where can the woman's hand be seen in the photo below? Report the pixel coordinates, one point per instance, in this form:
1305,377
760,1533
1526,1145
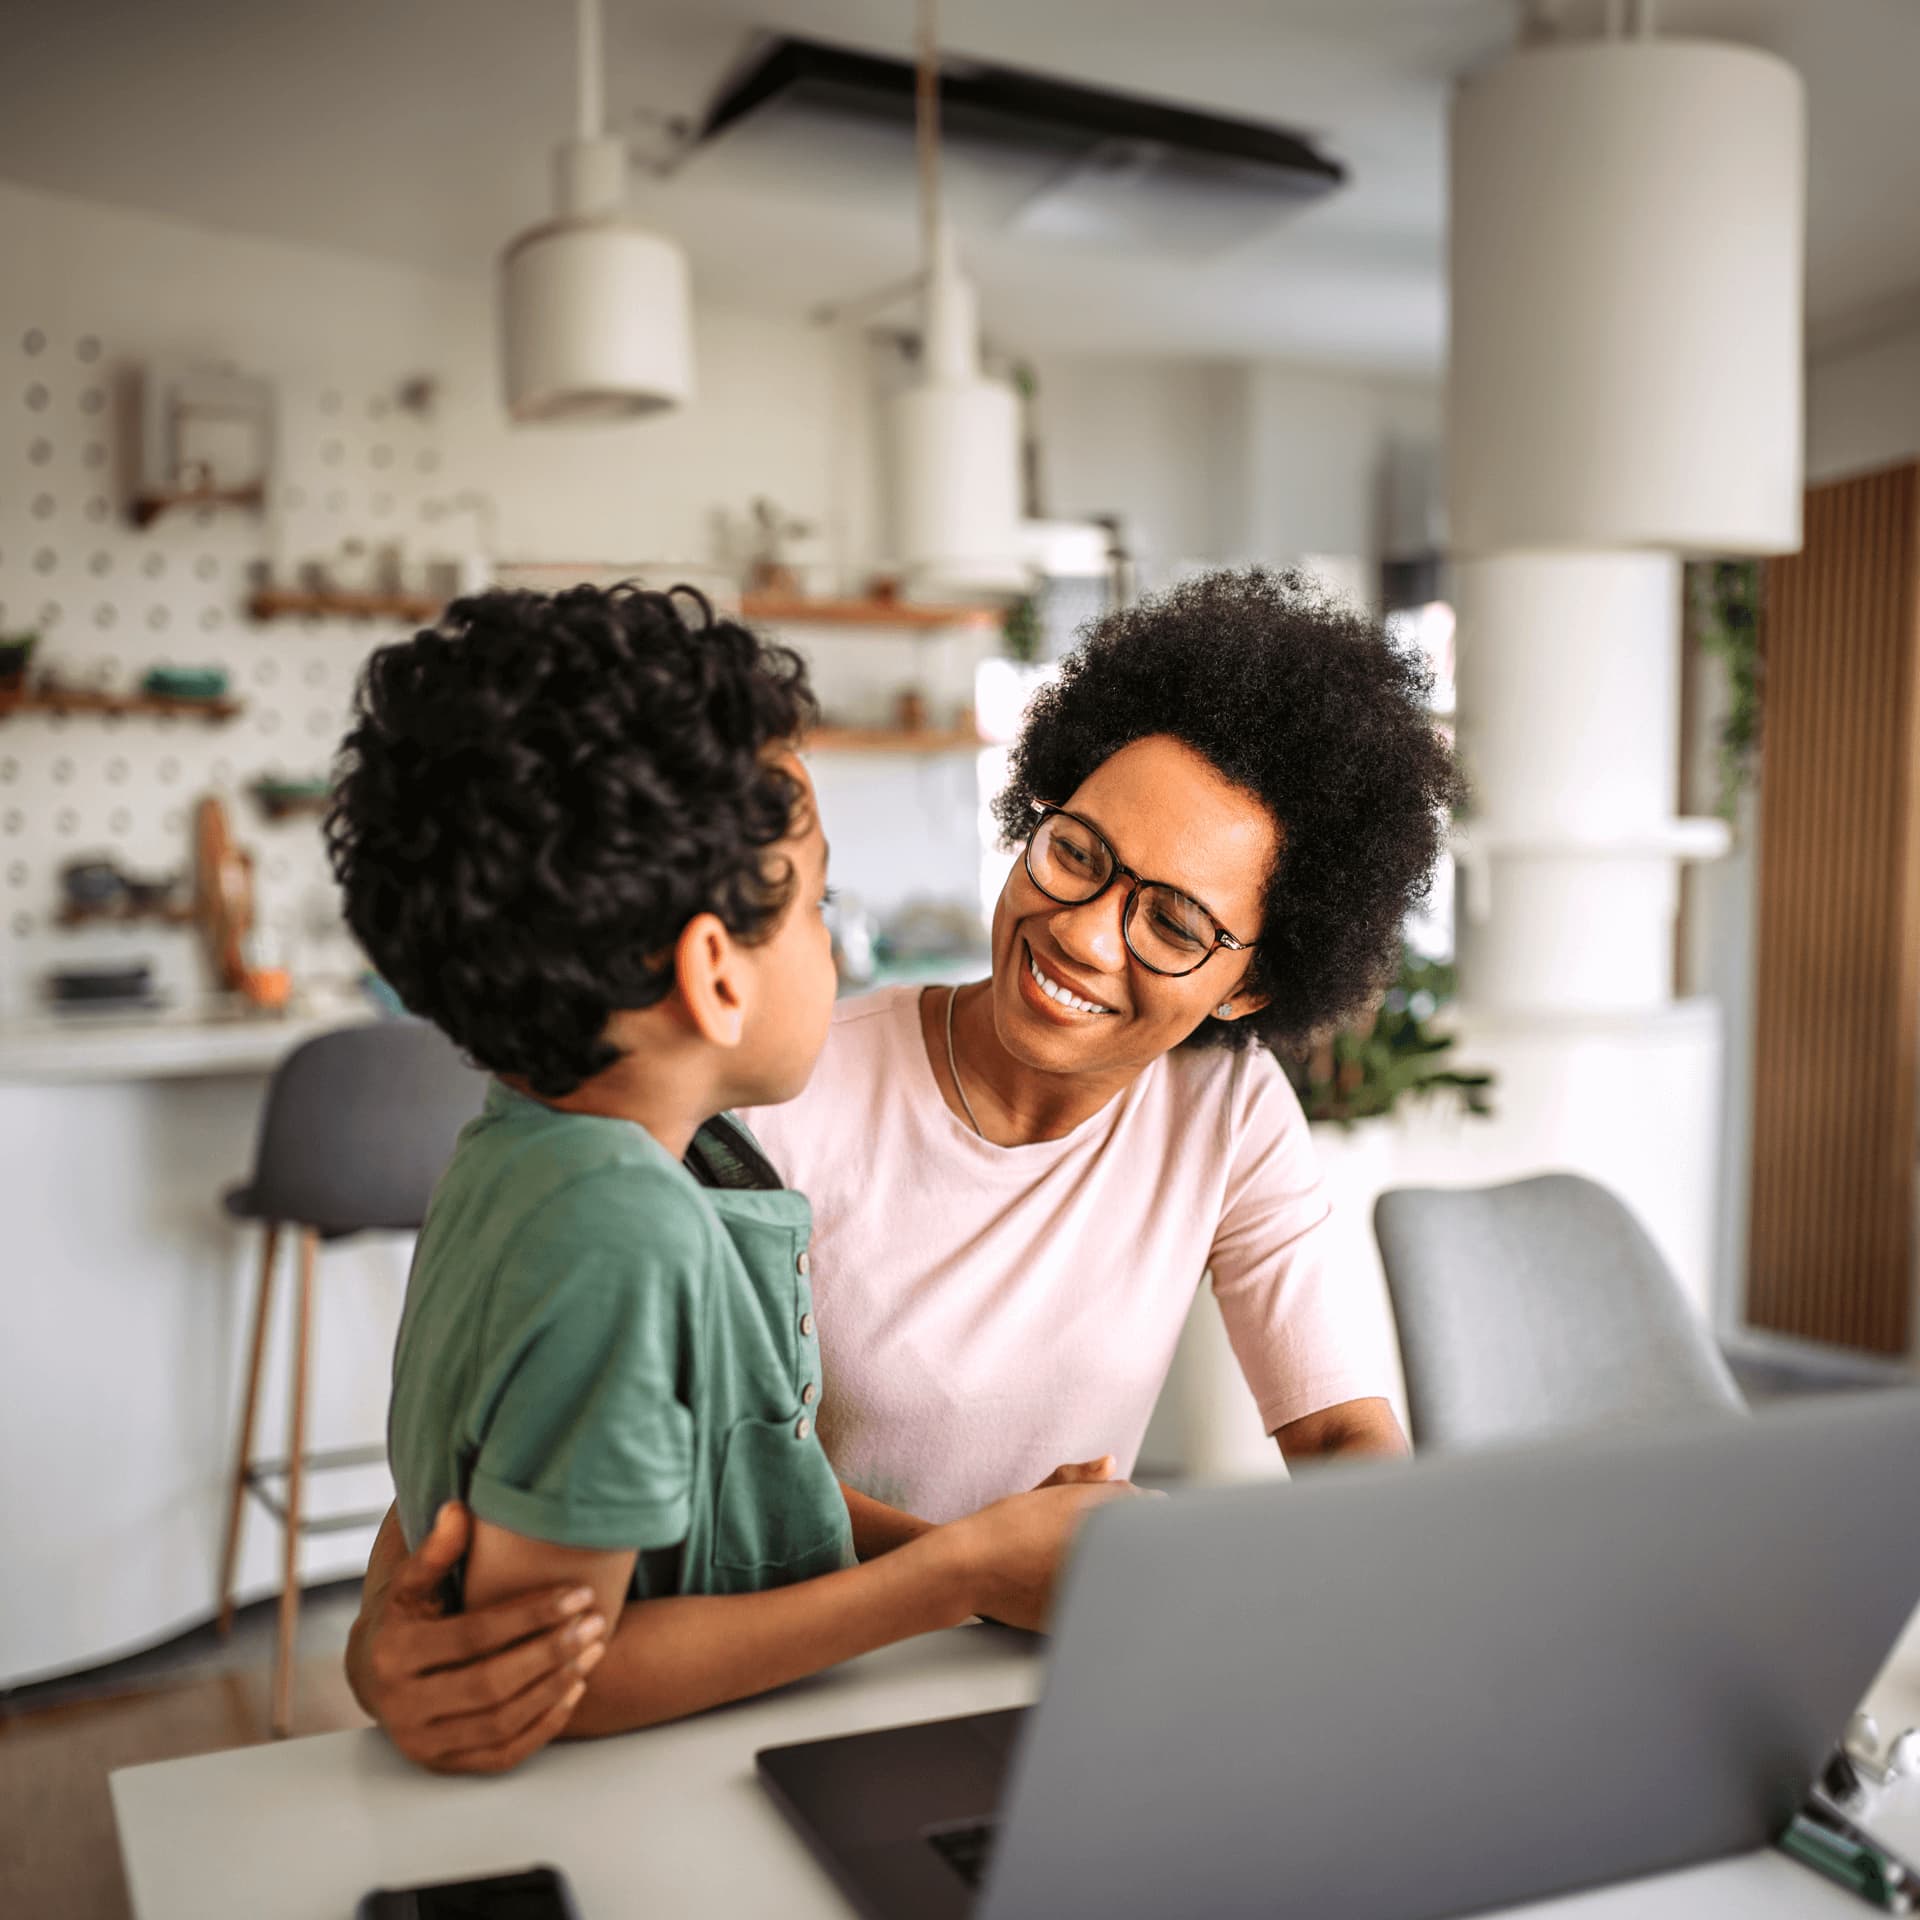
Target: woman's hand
1017,1546
1084,1473
879,1529
470,1692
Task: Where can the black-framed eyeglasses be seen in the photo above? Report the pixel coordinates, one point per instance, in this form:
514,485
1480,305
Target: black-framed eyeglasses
1167,931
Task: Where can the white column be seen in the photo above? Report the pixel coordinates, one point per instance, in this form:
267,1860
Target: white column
1569,731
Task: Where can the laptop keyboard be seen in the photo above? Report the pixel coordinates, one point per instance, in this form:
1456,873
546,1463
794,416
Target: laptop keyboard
965,1849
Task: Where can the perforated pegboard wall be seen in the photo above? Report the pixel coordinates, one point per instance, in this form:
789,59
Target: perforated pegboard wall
110,601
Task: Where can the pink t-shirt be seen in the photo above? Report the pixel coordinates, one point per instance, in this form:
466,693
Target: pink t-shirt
986,1313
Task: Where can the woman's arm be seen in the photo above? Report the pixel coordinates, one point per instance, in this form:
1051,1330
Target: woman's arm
671,1657
383,1563
877,1527
1353,1427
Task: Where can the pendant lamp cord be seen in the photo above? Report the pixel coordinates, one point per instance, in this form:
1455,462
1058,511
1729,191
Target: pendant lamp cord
926,121
592,104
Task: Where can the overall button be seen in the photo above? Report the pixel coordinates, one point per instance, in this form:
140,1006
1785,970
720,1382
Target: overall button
806,1326
803,1266
802,1427
809,1394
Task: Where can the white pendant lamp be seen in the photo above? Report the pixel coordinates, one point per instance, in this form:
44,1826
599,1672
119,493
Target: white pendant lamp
955,433
596,315
1625,366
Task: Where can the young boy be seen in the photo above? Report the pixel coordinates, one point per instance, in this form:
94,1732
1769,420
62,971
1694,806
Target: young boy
573,832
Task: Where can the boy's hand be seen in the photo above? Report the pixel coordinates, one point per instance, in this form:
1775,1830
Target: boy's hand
471,1692
1017,1546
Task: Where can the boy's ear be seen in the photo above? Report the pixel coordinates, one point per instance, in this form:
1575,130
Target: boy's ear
709,971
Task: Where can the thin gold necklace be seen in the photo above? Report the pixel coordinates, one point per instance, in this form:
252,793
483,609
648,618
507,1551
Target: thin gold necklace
953,1066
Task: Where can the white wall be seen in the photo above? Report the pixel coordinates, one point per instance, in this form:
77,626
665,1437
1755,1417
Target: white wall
1863,406
775,396
1225,462
1317,451
782,410
1718,902
1140,438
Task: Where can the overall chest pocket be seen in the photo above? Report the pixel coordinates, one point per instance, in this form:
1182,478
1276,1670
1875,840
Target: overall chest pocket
779,1516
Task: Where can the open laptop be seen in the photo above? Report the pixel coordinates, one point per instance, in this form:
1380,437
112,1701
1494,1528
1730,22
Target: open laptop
1394,1692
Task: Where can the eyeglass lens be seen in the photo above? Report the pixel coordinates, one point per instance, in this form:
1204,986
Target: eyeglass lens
1165,929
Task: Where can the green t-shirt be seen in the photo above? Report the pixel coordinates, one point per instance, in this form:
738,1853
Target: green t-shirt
598,1350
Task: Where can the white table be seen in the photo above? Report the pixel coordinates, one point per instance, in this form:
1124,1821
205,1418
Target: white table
654,1824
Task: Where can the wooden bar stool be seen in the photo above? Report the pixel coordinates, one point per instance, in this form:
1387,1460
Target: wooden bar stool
356,1130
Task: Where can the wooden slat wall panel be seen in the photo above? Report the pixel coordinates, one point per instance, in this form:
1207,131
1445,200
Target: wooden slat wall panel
1837,998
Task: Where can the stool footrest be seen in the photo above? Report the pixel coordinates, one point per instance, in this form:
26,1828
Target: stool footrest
259,1472
320,1523
343,1522
317,1462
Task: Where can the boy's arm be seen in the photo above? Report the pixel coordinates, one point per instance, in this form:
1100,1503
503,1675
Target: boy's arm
676,1656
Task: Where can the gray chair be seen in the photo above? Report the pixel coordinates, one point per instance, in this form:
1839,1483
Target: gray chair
1537,1307
356,1130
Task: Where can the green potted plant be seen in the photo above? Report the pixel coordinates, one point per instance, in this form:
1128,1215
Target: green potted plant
1727,606
1367,1069
1020,631
16,649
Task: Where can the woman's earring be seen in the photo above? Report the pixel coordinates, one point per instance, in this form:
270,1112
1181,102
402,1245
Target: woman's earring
1224,1011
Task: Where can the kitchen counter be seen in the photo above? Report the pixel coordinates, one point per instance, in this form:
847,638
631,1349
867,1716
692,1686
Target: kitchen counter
214,1037
126,1300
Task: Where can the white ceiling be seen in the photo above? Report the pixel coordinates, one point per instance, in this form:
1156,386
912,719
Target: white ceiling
418,130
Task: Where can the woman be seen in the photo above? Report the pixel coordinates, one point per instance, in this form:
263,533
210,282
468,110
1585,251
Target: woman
1227,805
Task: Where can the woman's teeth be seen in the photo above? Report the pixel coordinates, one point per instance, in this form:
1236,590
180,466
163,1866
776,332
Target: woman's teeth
1055,991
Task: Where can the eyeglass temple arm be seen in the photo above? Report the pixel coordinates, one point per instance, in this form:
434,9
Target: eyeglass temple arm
1040,807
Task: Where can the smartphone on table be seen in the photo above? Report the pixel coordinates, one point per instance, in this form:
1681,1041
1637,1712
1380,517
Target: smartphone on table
538,1893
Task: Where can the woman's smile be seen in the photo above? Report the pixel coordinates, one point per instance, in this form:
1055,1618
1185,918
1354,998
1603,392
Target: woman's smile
1053,996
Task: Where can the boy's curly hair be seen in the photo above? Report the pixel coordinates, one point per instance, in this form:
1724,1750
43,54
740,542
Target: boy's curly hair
539,793
1303,702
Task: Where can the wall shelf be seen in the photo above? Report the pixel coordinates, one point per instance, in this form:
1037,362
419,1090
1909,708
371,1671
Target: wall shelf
775,609
281,805
786,609
284,603
71,700
145,508
125,914
924,741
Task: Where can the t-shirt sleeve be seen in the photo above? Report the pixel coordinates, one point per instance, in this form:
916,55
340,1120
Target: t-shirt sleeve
584,1434
1309,1331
